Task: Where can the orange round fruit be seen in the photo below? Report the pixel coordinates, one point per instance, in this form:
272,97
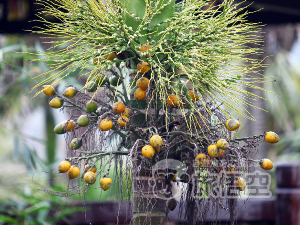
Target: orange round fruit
143,83
220,168
118,107
87,168
143,67
222,144
145,47
127,112
64,166
194,96
111,56
173,100
213,151
221,153
241,184
96,61
73,172
140,94
91,106
200,160
232,124
148,151
231,170
156,142
105,183
271,137
48,90
122,121
90,177
56,103
266,164
68,125
105,124
70,92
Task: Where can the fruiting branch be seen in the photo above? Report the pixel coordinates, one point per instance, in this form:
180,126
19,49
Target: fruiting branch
96,155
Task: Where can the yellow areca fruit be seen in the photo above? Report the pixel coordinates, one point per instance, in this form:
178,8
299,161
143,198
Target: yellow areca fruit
122,121
68,125
241,184
118,107
64,166
140,94
266,164
145,47
232,124
194,96
272,137
73,172
70,92
105,124
105,183
231,170
156,142
111,56
221,153
90,177
127,112
143,67
56,103
87,168
148,151
48,90
223,144
200,160
143,83
173,100
213,151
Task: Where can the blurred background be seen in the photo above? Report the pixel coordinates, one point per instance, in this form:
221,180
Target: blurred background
30,150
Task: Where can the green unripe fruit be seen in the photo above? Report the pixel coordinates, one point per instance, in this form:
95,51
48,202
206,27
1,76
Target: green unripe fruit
100,80
83,120
76,143
58,129
91,86
91,106
115,81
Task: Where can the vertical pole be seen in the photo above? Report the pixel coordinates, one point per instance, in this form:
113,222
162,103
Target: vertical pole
288,194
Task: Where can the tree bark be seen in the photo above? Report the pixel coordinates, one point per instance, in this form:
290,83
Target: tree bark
148,201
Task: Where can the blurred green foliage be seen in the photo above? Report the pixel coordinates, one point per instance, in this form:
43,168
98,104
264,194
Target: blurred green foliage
284,107
35,208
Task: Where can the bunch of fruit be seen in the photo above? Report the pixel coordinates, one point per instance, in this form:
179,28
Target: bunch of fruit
89,174
218,151
83,121
149,151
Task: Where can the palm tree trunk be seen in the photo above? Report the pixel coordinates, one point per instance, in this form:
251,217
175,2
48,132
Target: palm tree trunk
148,207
